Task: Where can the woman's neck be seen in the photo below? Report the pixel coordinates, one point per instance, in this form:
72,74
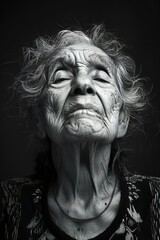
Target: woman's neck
83,177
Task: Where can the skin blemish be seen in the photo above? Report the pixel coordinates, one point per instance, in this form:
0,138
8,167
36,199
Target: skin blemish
80,229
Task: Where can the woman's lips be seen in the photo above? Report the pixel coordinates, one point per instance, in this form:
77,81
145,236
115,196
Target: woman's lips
83,113
87,109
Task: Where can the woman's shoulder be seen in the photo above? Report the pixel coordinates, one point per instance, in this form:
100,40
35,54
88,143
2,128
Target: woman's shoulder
11,188
20,182
32,179
145,183
20,200
142,178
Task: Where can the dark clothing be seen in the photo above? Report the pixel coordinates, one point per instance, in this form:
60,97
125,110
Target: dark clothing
24,213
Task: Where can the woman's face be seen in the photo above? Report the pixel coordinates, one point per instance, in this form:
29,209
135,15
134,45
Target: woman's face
82,100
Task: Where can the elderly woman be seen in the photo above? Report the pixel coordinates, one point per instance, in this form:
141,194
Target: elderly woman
81,92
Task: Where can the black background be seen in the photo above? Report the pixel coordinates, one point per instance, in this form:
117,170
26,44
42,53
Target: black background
137,22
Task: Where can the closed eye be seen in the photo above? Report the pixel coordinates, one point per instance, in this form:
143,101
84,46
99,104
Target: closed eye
101,80
100,76
62,75
59,80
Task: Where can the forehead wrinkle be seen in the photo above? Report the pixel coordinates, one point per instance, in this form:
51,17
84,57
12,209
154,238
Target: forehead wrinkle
69,59
102,61
66,59
92,59
96,60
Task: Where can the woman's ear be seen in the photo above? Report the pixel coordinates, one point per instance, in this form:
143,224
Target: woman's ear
123,123
39,124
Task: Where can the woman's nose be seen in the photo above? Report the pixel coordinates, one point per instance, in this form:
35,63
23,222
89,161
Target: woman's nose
82,86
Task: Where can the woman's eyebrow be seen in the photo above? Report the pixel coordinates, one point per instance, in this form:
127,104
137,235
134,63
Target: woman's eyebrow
63,62
102,67
100,63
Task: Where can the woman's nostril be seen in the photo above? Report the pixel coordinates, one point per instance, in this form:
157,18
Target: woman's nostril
77,91
82,90
89,90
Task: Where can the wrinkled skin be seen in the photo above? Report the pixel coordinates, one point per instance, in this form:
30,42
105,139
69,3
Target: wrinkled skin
83,99
82,115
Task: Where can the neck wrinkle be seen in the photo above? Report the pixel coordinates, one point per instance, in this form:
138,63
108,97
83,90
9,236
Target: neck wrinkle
79,170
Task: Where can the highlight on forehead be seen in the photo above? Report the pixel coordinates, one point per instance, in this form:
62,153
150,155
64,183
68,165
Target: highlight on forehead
67,59
103,62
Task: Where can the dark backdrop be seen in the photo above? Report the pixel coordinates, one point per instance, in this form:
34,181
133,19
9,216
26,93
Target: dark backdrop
137,22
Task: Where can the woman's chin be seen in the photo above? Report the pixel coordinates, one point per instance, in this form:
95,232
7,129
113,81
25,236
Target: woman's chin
82,131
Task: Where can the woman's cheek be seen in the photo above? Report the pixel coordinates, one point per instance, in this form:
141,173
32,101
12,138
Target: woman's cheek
55,101
54,126
112,101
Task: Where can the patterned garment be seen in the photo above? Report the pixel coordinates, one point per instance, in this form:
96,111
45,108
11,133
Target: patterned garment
24,216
